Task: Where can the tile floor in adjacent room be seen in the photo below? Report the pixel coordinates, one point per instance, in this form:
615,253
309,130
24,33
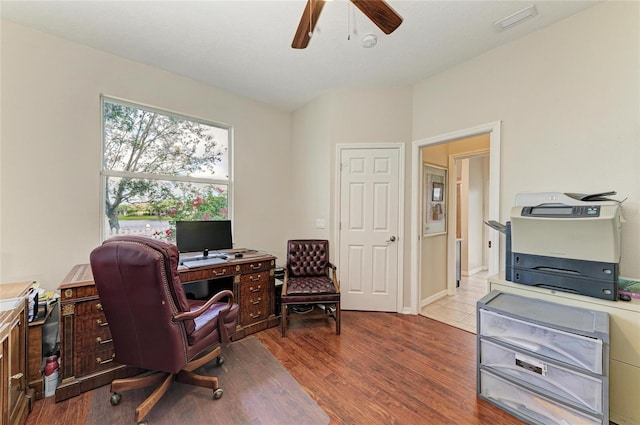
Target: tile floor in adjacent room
459,310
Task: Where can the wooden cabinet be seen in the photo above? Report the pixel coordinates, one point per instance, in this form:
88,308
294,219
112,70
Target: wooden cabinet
13,353
86,349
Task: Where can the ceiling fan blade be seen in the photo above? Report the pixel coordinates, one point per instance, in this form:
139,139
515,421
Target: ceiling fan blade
380,13
307,23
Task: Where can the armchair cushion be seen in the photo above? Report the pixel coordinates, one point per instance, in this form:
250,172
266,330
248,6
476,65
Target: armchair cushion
310,285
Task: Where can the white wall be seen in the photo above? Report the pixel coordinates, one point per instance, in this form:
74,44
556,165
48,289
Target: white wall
568,97
51,147
370,115
476,207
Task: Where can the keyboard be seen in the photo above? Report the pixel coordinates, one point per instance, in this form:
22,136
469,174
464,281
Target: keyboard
203,262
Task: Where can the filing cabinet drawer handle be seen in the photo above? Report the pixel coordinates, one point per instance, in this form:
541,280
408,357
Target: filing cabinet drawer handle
254,278
255,316
99,322
99,307
219,273
100,361
258,301
100,341
256,289
256,266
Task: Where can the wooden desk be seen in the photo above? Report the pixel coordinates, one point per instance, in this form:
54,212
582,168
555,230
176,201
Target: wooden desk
86,350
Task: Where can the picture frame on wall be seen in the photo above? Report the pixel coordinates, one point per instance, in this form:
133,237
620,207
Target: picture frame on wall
434,206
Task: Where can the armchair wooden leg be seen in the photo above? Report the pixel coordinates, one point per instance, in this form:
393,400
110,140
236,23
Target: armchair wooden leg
338,318
283,320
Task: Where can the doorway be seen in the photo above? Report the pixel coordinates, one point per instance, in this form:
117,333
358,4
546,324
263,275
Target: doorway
440,249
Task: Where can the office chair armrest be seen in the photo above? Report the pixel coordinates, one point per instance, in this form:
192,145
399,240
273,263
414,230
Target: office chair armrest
217,297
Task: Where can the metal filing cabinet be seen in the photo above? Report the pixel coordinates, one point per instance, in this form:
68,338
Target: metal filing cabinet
543,362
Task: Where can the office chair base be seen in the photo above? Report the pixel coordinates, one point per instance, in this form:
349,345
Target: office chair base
163,380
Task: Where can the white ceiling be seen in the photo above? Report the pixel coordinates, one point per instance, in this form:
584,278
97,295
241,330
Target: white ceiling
245,46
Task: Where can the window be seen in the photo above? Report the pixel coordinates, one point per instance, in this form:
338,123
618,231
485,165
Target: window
159,167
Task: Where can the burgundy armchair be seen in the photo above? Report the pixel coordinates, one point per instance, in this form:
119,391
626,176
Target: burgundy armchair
310,280
153,324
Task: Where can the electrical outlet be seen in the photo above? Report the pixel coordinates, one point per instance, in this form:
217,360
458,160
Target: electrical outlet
319,223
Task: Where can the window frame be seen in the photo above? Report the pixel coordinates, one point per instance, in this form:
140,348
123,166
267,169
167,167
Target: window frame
105,173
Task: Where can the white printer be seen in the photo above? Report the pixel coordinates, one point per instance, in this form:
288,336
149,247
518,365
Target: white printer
567,242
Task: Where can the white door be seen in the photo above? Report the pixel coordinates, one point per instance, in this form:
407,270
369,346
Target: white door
369,228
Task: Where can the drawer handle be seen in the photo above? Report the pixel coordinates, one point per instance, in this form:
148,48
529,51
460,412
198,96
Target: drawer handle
254,278
99,322
100,341
256,289
219,273
256,266
255,316
99,307
258,301
100,361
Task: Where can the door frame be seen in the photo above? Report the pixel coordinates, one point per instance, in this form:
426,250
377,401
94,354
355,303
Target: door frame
400,147
493,129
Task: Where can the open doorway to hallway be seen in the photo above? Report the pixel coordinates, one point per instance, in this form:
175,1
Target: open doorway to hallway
469,173
435,264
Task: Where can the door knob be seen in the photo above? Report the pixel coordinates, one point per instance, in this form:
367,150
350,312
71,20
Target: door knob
391,239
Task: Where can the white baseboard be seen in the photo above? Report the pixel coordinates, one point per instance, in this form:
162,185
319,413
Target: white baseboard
433,298
474,271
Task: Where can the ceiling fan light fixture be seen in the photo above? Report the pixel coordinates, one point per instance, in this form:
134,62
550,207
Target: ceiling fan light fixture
516,18
369,40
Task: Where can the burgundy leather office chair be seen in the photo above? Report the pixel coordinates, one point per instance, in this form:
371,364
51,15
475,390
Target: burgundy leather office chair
310,280
152,323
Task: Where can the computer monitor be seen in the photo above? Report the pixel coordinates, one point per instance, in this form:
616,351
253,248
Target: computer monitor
203,236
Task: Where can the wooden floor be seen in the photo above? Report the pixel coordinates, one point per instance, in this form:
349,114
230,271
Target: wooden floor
385,368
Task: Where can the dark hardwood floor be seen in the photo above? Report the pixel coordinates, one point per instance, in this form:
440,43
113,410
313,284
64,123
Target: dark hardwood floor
385,368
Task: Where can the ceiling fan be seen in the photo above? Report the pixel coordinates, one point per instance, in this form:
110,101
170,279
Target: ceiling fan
378,11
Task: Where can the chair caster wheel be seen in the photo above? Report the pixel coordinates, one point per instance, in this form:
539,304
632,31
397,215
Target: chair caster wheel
219,361
115,399
217,393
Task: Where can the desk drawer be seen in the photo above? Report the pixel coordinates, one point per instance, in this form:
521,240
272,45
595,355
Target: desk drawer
89,308
254,298
89,323
90,362
93,340
208,273
256,266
